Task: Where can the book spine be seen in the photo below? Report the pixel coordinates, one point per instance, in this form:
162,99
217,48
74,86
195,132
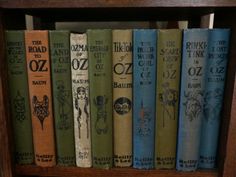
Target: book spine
215,80
38,67
19,97
167,97
62,97
100,75
81,103
194,57
122,96
144,80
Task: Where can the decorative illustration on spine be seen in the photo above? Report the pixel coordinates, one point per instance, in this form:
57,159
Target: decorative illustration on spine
122,97
100,79
62,97
194,57
213,100
144,80
38,67
167,96
80,89
19,97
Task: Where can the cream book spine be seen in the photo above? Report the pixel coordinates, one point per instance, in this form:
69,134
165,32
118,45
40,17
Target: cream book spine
80,90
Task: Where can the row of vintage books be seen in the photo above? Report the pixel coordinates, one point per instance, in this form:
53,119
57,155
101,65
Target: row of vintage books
144,98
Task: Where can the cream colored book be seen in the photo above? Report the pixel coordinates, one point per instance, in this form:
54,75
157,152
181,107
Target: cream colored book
122,97
80,89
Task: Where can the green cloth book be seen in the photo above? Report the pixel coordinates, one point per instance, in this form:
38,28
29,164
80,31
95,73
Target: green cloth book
62,97
167,96
19,97
100,79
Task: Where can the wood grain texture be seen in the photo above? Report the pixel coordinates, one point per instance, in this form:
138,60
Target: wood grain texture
230,157
45,16
113,3
227,143
114,172
118,14
5,150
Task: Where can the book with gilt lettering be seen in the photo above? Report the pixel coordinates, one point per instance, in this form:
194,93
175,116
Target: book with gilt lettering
39,81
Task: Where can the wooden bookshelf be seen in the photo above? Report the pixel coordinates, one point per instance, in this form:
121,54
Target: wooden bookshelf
114,172
47,12
22,4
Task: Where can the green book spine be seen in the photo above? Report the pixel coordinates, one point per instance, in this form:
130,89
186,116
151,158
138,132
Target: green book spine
100,76
167,97
62,97
19,97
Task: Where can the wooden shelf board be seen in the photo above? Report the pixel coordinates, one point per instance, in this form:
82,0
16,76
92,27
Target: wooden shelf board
31,170
113,3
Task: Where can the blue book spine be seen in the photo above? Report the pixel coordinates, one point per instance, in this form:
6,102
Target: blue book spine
144,80
194,57
215,80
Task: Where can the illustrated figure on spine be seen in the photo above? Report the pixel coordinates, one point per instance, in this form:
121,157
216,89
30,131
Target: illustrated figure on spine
212,106
19,107
41,108
81,104
62,95
168,98
101,121
193,104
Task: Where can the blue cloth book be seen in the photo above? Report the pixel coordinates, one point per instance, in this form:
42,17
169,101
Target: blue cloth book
194,57
215,79
144,80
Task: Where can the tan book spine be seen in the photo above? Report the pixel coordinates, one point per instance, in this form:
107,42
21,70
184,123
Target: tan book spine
122,97
38,67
